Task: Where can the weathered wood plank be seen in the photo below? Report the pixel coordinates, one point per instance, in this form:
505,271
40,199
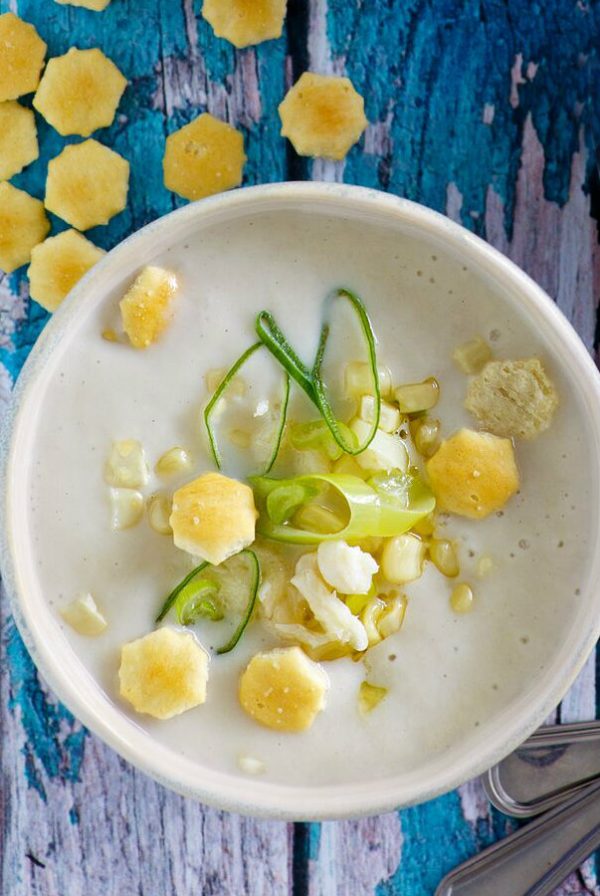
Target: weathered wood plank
478,110
482,110
75,817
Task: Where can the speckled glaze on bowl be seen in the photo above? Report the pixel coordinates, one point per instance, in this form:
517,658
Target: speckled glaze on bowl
366,214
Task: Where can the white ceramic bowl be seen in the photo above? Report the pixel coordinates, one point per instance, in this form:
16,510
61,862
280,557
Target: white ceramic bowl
540,616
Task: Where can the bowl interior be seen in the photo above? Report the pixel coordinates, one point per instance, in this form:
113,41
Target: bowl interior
462,690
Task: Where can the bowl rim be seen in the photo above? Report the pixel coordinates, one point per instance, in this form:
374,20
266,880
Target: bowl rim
225,791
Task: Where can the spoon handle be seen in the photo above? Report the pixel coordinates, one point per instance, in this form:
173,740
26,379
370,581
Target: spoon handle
546,769
537,858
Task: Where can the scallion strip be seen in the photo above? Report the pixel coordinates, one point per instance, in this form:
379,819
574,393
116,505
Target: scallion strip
323,402
311,381
210,407
172,597
253,593
249,609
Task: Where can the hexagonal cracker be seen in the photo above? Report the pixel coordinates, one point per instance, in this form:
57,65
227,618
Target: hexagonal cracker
245,22
57,264
23,224
283,689
322,115
80,91
164,673
22,53
95,5
146,306
213,517
87,184
204,157
473,473
18,138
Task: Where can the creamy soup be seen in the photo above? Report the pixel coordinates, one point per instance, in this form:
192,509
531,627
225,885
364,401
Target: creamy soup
447,675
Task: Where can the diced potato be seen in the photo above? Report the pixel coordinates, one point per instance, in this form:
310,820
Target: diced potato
18,139
472,355
87,184
79,92
164,673
213,517
349,570
283,689
127,508
386,452
83,616
173,462
22,54
402,558
159,511
369,696
95,5
23,224
126,466
146,308
515,399
58,264
322,115
204,157
245,22
473,473
389,416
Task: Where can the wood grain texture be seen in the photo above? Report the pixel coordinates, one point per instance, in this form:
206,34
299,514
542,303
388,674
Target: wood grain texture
485,110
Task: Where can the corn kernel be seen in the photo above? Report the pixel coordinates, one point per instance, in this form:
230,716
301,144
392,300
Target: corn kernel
442,554
159,511
127,507
369,696
175,460
370,617
461,599
402,558
426,435
485,565
392,617
425,526
126,465
389,416
413,398
358,379
472,356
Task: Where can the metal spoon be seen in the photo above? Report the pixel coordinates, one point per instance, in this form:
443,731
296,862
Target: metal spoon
553,763
537,858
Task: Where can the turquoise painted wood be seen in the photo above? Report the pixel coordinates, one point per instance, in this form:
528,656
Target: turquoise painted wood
487,110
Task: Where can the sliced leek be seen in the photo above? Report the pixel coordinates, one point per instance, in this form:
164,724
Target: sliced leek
386,506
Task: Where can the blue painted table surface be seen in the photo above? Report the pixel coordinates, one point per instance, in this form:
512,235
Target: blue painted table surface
487,110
